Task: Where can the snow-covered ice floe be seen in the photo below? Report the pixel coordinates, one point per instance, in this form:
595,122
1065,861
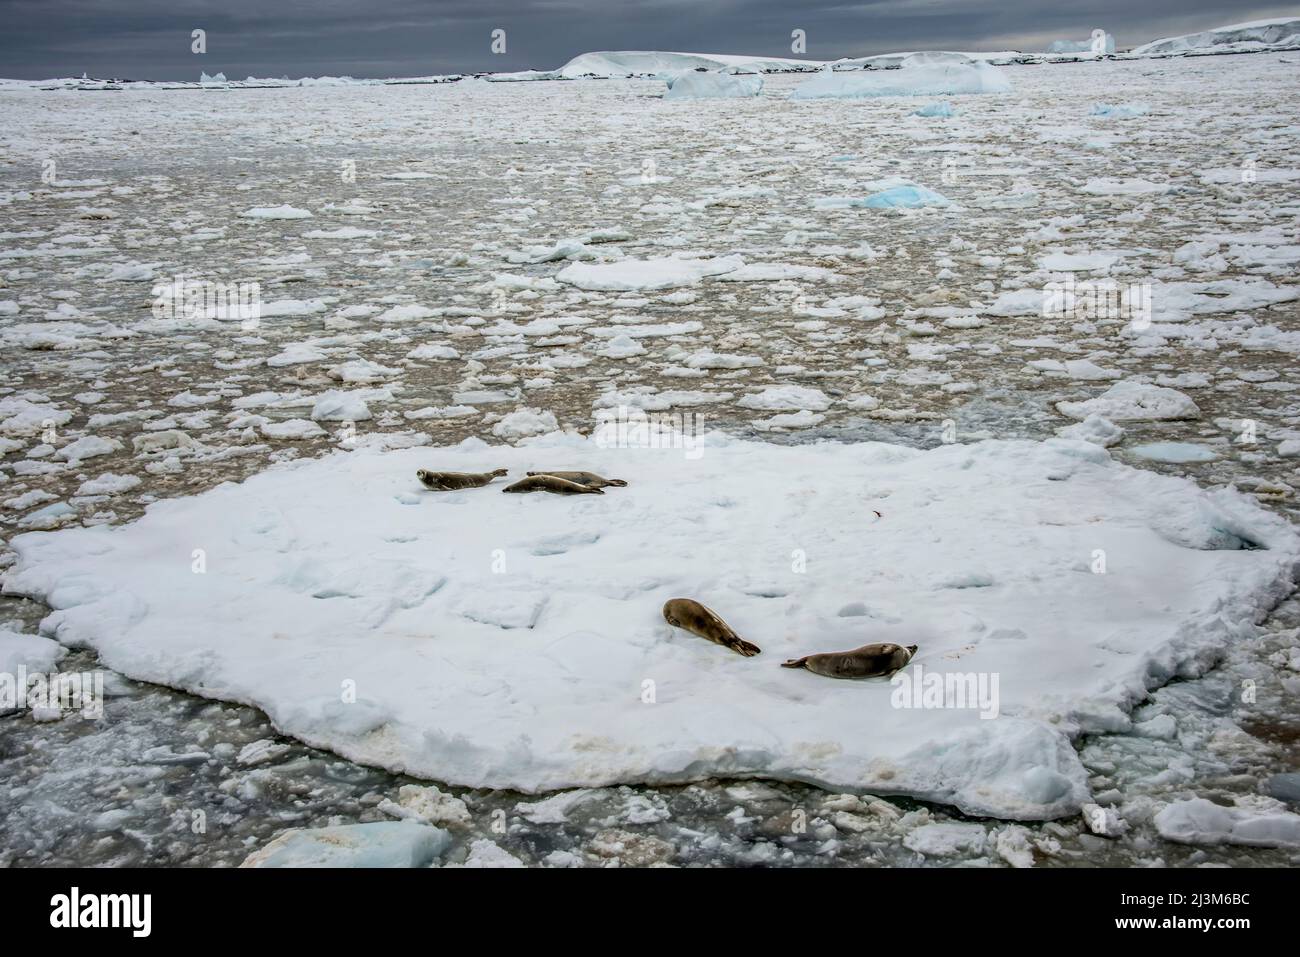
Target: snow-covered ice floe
516,641
918,76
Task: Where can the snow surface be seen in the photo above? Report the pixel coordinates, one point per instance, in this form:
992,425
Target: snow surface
506,641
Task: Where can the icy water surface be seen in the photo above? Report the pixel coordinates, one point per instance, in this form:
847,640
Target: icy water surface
422,291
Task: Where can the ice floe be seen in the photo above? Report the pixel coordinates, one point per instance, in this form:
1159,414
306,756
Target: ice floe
507,641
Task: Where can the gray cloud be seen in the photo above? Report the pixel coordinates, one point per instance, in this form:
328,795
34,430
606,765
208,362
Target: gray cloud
150,39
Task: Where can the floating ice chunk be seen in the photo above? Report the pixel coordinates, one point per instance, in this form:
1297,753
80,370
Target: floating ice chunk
712,86
108,484
1077,262
1081,369
525,422
164,441
790,420
1096,429
276,212
622,347
787,397
362,371
1199,821
19,650
382,844
1174,452
905,195
1120,111
338,406
292,429
296,353
88,447
428,805
1107,186
942,108
645,274
946,839
261,751
484,853
433,350
291,307
23,416
1134,401
343,232
708,359
133,272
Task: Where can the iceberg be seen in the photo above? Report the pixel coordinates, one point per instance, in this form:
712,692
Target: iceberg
1100,43
631,63
1253,36
712,86
942,109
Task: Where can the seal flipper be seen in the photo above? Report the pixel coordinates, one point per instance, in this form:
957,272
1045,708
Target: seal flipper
794,662
729,638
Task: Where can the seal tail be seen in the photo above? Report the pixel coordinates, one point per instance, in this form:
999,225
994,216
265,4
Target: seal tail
618,483
794,662
500,472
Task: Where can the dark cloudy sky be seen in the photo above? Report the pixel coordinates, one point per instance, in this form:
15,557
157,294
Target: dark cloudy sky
150,39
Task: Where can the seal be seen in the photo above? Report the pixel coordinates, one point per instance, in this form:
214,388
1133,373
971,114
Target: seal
869,661
584,478
705,622
551,483
450,481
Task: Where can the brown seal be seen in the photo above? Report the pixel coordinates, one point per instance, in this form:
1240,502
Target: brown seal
551,483
450,481
584,478
698,620
868,661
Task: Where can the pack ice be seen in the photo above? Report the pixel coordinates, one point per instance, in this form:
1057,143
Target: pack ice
516,641
919,75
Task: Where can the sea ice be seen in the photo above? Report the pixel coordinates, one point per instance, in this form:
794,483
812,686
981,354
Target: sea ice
506,641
